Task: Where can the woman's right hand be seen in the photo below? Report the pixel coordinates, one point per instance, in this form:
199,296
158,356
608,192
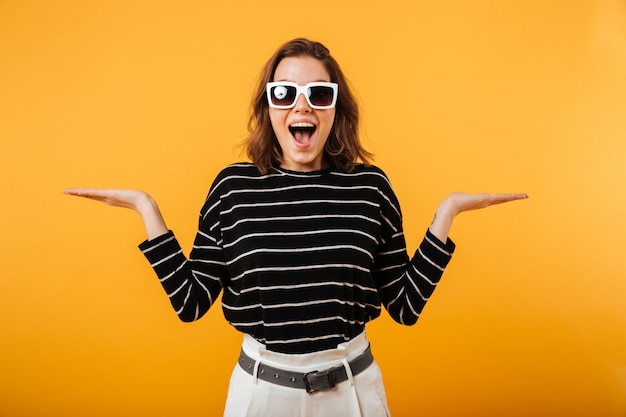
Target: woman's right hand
136,200
132,199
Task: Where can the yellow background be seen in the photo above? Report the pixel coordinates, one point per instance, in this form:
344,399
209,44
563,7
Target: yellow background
500,96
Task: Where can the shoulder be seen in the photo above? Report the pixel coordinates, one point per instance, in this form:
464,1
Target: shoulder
375,177
237,171
232,176
370,174
239,168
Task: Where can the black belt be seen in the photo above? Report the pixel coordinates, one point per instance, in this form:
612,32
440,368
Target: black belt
310,381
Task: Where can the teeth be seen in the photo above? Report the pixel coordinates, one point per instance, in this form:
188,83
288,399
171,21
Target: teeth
302,124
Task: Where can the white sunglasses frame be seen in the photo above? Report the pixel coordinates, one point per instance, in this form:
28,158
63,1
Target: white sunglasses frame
302,89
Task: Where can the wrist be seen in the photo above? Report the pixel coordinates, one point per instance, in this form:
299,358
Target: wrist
447,209
153,220
145,204
442,222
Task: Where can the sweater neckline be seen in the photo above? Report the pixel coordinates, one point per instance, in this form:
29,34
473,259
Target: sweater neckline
302,174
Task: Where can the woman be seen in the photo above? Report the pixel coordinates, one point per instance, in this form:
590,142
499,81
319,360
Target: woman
306,243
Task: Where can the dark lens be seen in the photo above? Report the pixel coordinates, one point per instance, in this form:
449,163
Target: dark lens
283,95
321,95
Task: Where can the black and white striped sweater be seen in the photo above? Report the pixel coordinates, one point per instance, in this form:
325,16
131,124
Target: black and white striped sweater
304,259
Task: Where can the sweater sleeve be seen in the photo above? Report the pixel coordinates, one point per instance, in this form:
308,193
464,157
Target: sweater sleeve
404,284
193,284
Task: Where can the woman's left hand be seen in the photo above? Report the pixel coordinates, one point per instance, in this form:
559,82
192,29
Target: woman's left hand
457,203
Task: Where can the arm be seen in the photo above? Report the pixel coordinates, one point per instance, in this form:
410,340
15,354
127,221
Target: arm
192,285
406,285
136,200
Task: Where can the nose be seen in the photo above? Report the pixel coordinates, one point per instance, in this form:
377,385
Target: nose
302,105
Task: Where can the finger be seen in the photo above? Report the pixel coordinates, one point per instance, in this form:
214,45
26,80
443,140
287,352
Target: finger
83,191
90,193
503,198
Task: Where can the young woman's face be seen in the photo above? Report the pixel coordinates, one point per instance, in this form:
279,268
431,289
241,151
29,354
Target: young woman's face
302,131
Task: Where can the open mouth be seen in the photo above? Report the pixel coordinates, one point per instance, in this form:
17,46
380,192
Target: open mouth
302,131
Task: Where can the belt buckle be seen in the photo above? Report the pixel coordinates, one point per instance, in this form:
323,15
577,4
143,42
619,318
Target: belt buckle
318,381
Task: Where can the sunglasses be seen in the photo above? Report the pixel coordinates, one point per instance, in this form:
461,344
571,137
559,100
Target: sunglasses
319,95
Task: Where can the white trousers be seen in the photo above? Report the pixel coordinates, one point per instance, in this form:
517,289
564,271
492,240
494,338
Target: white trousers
360,396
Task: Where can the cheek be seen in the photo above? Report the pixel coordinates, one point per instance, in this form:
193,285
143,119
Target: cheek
272,116
276,121
329,122
331,117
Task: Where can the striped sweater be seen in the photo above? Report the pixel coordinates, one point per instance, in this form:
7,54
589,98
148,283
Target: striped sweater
304,260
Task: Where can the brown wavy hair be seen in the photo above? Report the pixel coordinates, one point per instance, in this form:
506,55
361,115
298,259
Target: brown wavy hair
343,149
